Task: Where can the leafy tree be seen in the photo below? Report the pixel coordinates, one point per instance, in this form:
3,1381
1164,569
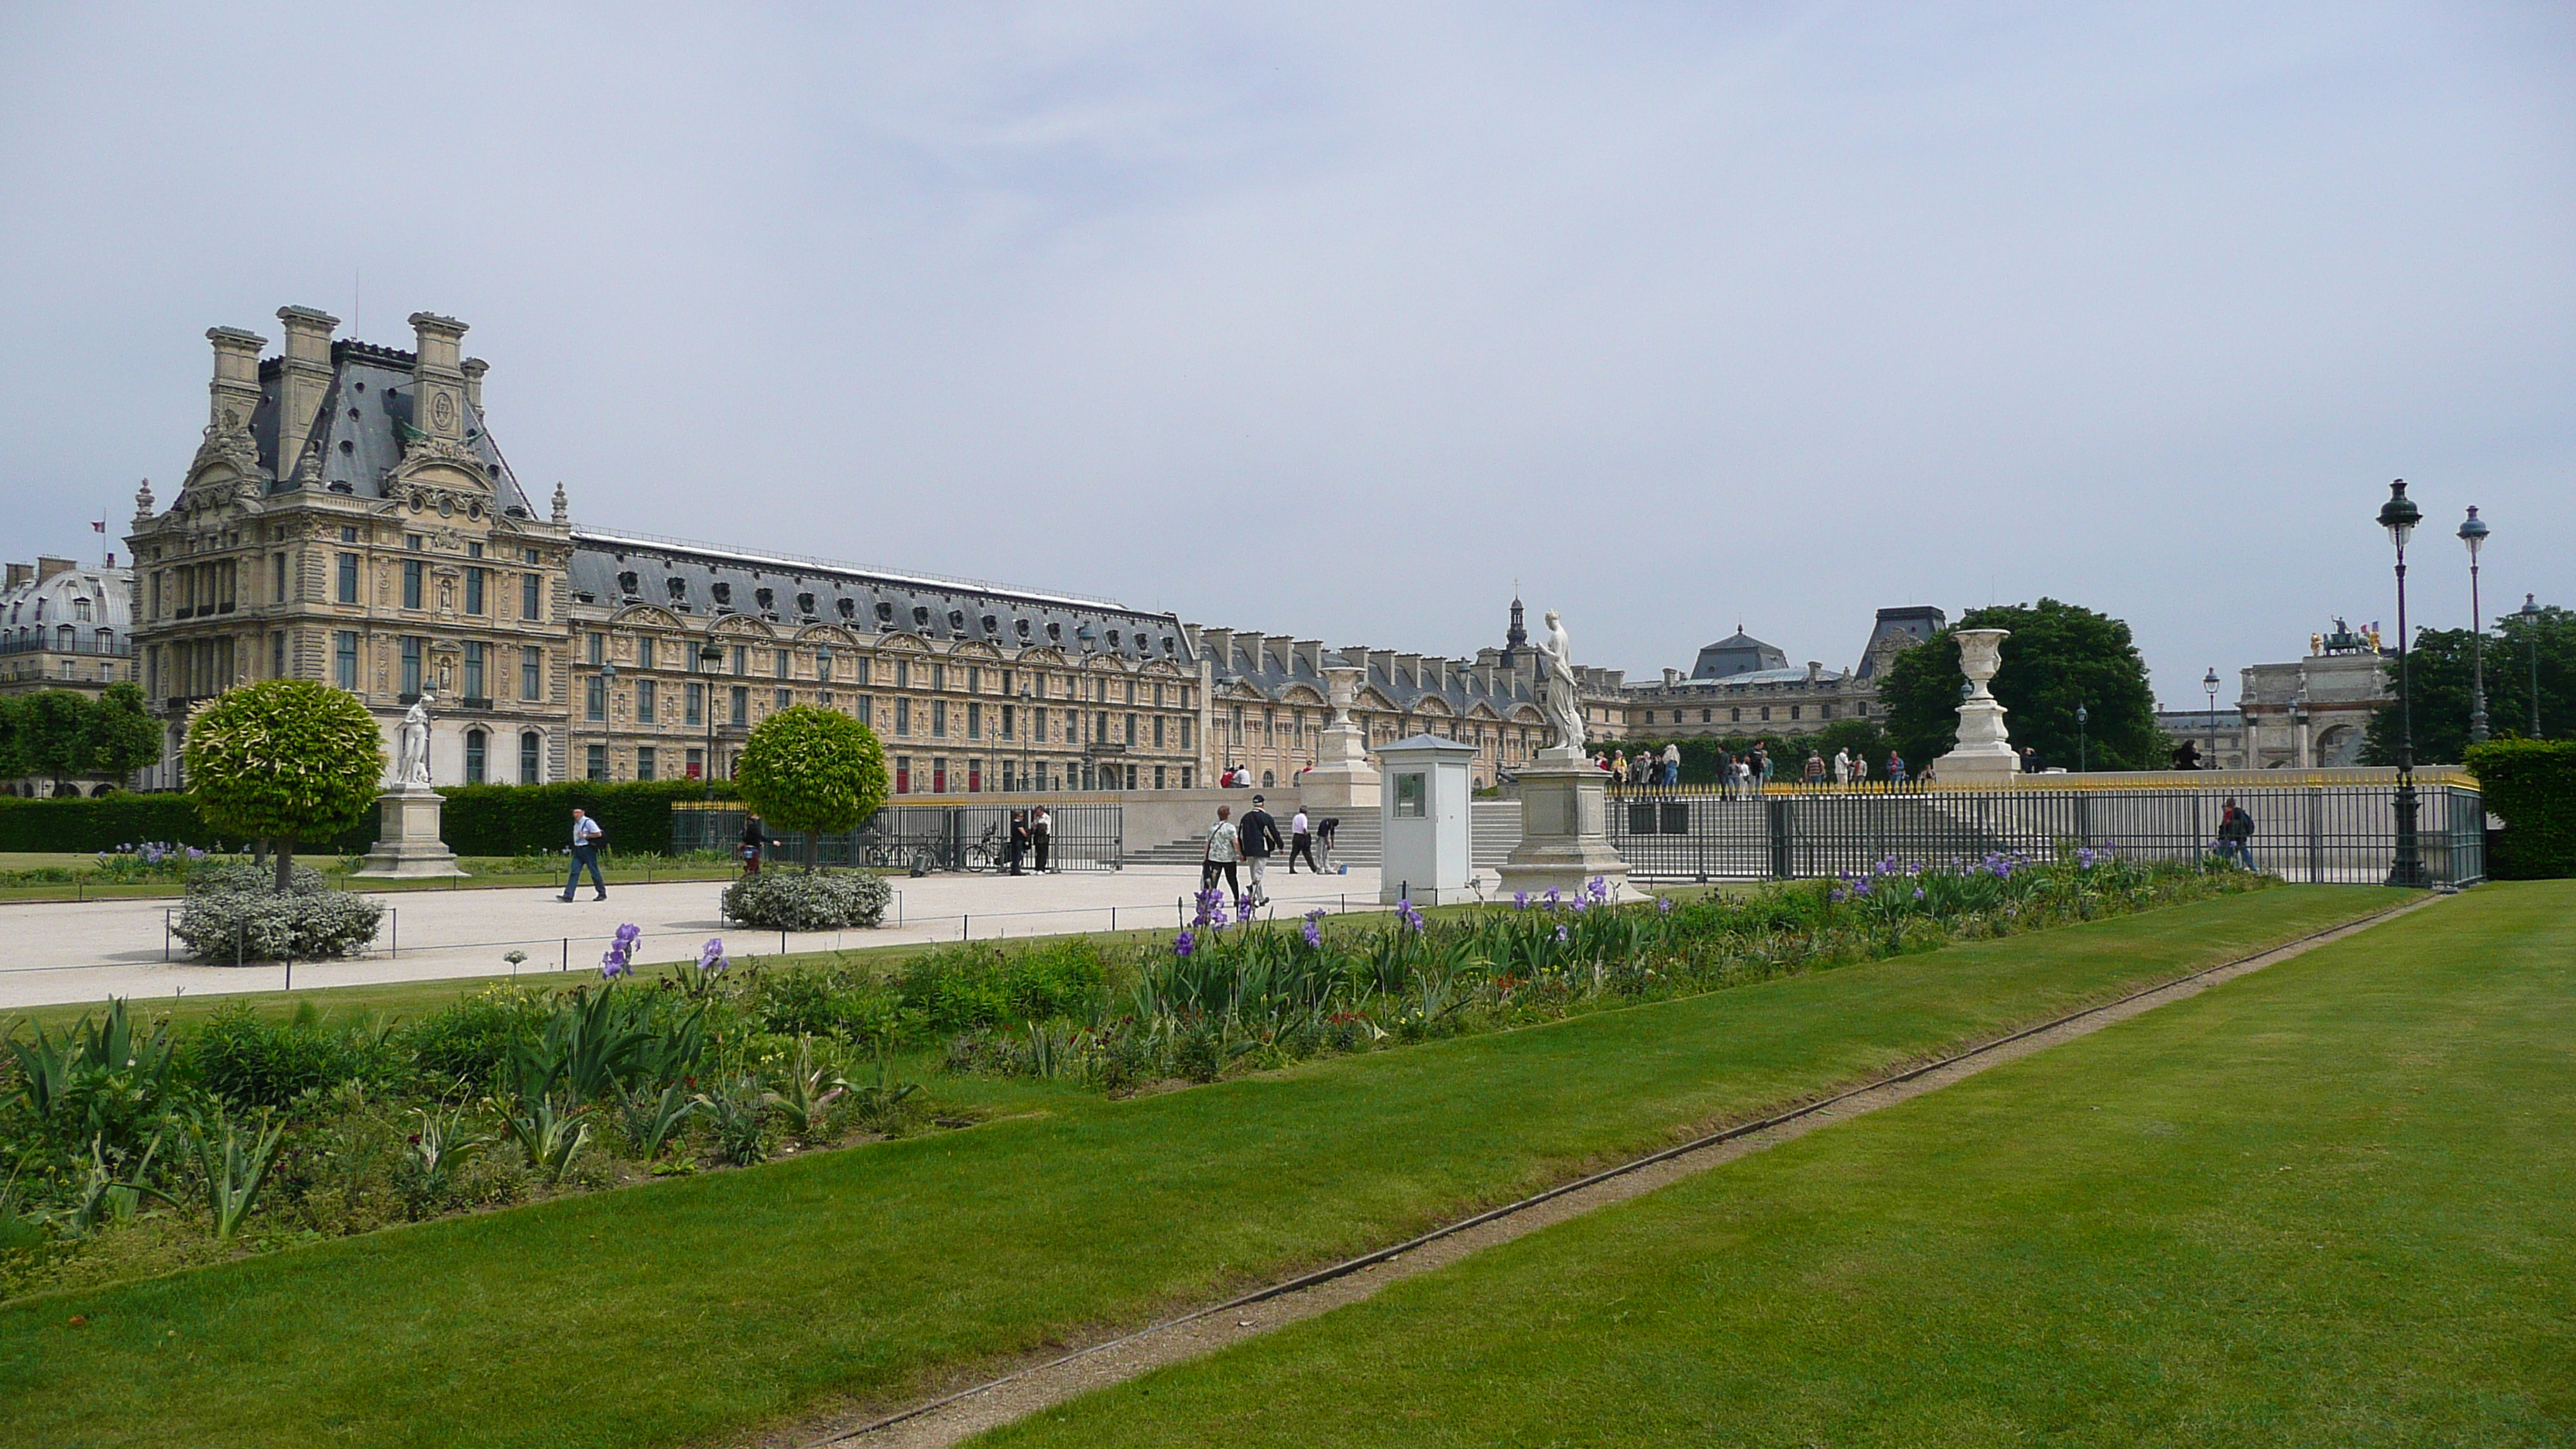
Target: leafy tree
812,770
121,734
284,759
2439,671
2059,656
51,736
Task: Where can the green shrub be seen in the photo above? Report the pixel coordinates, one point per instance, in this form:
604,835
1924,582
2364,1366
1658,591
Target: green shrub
795,900
2532,784
470,1040
232,914
976,985
251,1061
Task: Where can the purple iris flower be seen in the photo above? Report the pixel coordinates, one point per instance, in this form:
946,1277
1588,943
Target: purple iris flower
711,956
1520,900
1406,913
1184,943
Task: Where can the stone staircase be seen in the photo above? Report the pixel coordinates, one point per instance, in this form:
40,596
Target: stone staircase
1495,827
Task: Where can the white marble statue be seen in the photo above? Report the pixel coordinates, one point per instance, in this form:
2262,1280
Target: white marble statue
414,766
1559,697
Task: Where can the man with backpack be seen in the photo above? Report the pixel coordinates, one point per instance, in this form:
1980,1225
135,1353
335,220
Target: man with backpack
586,836
2236,833
1256,837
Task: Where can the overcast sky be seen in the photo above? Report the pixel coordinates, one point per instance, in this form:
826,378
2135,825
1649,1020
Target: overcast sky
1335,320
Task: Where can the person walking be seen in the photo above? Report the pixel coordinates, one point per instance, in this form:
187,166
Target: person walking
1815,769
2236,833
1041,832
1325,829
1256,840
1301,841
1218,858
1725,773
1895,768
754,836
586,836
1019,838
2030,759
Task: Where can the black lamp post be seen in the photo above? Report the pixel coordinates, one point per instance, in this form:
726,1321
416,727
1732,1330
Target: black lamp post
607,721
2081,765
2209,685
2474,534
2399,515
2531,640
1027,723
709,656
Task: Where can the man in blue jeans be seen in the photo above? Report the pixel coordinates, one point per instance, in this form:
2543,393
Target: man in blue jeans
585,852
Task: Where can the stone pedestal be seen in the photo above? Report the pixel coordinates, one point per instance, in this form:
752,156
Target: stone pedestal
1984,755
407,843
1564,829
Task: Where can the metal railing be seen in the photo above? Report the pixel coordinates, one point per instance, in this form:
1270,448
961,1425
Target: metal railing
2099,780
933,837
2344,833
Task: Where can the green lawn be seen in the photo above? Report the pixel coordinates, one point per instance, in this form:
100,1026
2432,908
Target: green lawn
483,873
662,1313
2334,1203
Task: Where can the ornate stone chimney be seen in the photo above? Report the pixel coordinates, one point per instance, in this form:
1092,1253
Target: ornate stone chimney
474,368
438,377
235,389
304,378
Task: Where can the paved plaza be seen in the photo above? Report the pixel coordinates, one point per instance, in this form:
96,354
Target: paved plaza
89,952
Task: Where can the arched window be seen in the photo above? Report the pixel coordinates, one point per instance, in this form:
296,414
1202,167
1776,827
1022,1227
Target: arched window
475,742
532,767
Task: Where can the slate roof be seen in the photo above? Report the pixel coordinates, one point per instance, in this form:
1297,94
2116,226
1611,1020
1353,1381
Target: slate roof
359,427
1736,654
708,581
1402,685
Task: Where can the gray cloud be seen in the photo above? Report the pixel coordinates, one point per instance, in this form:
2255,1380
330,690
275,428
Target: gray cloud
1337,321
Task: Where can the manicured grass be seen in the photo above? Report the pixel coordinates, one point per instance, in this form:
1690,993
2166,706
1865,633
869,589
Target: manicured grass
2333,1203
658,1314
483,873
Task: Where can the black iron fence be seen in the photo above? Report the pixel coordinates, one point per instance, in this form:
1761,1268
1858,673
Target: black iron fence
2310,834
932,837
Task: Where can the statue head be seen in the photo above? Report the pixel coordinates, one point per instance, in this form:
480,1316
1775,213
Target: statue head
1551,618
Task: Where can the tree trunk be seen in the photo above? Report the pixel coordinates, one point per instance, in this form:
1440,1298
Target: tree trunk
813,850
285,862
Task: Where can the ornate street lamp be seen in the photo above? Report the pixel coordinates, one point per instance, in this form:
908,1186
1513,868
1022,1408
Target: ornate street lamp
2081,715
2399,515
2209,685
607,721
2474,534
709,656
1027,696
2531,639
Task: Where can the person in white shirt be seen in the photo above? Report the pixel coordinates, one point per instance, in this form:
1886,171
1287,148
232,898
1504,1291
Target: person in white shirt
585,854
1301,841
1842,767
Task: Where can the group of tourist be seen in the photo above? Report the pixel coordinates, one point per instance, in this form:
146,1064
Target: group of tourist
1752,772
1249,843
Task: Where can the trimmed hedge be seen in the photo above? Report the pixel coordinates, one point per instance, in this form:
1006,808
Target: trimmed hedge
478,820
2532,784
122,819
525,819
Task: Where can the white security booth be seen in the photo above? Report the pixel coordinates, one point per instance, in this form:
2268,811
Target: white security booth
1423,798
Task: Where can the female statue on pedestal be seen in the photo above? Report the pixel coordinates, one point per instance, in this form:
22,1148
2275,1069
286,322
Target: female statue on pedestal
1557,693
414,766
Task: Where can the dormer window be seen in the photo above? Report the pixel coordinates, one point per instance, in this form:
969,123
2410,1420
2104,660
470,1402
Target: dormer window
849,608
679,588
1113,638
992,625
921,616
885,611
626,583
1024,630
723,593
767,600
805,604
1055,632
957,621
1167,646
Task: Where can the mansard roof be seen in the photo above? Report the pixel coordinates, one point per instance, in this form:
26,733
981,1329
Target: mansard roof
358,431
1406,683
611,570
1737,653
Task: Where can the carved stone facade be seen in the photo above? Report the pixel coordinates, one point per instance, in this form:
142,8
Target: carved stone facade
63,626
348,518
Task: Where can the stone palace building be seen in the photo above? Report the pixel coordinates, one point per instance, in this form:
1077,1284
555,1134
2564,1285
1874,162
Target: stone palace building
63,626
349,517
